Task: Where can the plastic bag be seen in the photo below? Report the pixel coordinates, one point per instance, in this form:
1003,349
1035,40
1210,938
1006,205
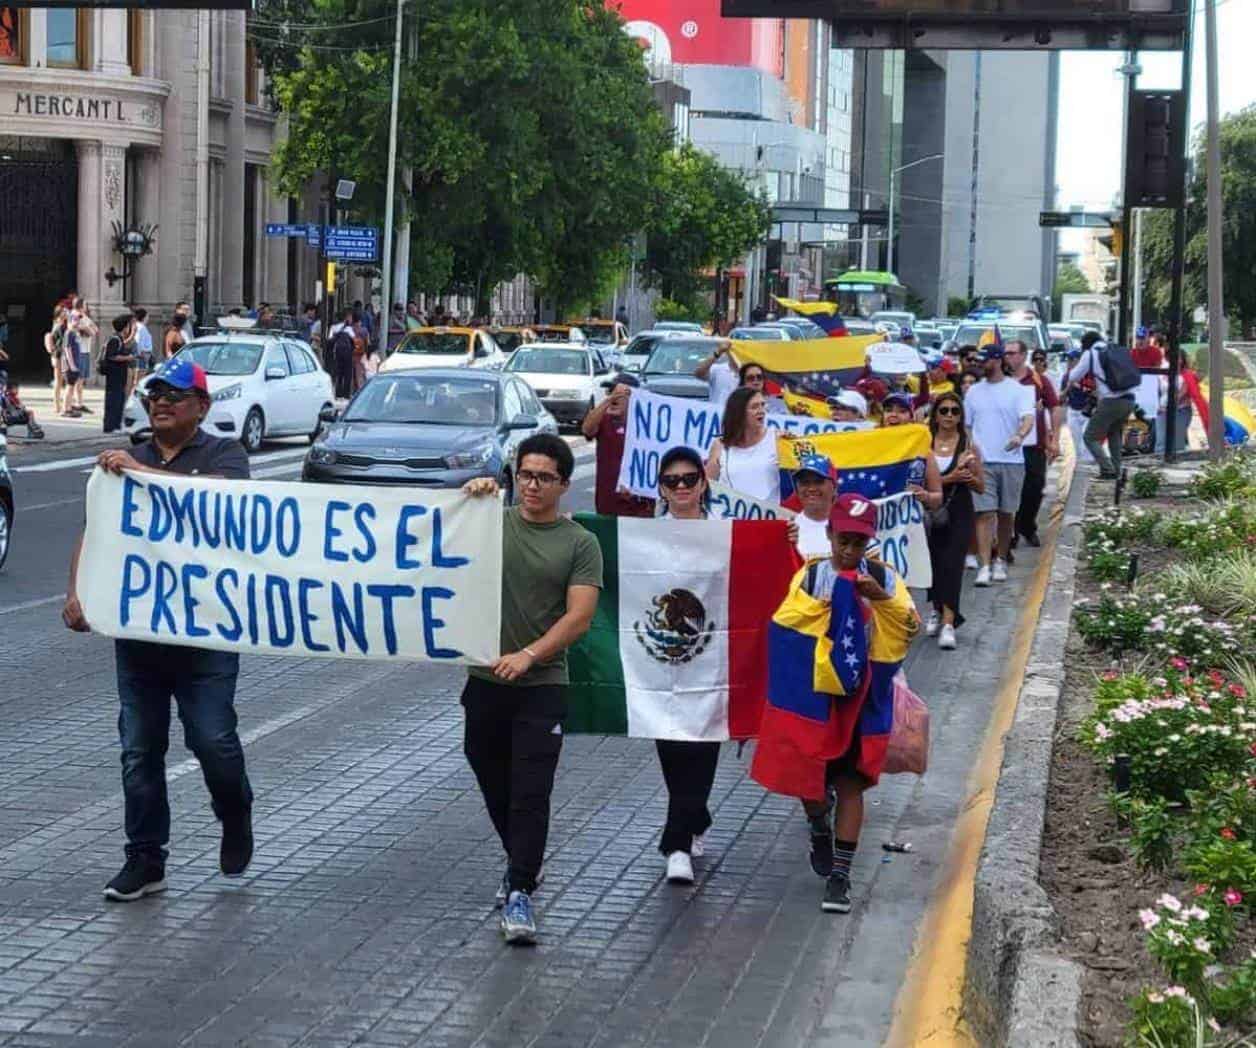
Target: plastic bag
908,749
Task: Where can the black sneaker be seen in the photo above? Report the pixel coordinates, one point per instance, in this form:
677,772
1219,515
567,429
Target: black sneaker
836,894
237,844
139,877
821,846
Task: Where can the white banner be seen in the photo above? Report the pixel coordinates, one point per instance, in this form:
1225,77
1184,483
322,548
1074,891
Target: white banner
296,569
728,504
895,358
904,543
656,424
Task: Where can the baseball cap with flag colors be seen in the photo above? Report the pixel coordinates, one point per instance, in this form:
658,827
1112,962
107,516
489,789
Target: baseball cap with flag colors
853,514
820,465
181,373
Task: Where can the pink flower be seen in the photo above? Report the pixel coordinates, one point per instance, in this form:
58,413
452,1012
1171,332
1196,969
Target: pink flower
1232,897
1179,663
1110,675
1227,833
1237,690
1201,889
1216,678
1252,749
1149,918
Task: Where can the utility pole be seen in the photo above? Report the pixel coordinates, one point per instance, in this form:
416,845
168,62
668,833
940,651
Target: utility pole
1136,291
390,190
889,246
1216,307
1176,327
1130,71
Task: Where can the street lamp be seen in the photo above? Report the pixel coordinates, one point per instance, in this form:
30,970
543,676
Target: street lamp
889,244
131,244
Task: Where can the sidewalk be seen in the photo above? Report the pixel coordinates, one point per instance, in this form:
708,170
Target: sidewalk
60,432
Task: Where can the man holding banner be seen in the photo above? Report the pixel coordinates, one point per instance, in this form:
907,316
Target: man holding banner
201,682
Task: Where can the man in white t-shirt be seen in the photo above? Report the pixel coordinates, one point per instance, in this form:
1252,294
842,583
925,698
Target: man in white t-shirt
815,480
721,372
999,412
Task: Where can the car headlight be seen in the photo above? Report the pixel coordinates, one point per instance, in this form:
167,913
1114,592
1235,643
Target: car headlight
319,456
565,394
472,459
231,392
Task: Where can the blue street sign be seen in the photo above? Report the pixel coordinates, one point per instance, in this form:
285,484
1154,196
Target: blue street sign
279,229
352,243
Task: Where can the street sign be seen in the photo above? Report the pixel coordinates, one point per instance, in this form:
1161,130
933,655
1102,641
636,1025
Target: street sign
281,229
1074,219
352,243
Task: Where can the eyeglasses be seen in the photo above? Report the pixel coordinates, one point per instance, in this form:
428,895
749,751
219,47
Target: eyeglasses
169,394
542,480
672,481
946,411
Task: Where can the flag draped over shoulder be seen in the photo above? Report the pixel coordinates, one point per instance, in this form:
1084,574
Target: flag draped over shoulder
678,645
874,463
821,366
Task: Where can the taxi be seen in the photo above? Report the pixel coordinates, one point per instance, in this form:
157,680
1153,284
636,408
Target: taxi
559,333
512,337
442,347
605,334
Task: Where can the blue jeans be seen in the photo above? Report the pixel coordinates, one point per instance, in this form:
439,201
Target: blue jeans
203,685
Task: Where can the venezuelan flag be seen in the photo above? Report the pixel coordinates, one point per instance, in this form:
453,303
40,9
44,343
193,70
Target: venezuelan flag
1240,424
823,314
820,366
874,463
991,337
801,404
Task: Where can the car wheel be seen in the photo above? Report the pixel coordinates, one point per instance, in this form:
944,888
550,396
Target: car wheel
6,530
253,431
318,425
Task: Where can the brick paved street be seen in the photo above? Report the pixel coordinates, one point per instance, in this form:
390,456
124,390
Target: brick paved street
367,916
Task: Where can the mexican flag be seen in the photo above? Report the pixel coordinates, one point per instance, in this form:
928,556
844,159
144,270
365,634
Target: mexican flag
678,647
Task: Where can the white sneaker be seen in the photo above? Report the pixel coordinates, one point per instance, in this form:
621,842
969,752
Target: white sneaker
697,847
932,623
983,576
999,574
679,868
946,638
970,562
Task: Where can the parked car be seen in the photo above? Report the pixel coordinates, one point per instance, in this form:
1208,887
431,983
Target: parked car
670,367
260,385
799,329
1027,327
8,508
440,347
899,318
509,339
687,326
605,333
434,427
928,334
759,334
634,354
567,379
559,333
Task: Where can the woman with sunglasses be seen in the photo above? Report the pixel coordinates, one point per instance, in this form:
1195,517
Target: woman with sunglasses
959,463
744,458
896,410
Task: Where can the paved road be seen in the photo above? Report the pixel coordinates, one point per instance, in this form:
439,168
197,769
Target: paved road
367,916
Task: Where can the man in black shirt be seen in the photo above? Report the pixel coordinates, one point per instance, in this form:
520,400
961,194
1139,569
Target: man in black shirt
201,682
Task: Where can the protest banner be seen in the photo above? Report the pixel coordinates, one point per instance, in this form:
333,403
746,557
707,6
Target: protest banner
729,504
903,542
294,569
656,423
895,358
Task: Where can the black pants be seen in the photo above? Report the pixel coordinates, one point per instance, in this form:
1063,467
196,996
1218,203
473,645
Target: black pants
689,772
512,741
1031,492
344,373
115,397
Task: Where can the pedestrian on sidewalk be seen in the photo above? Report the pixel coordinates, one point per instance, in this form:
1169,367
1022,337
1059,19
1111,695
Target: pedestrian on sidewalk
341,338
953,523
688,767
999,412
82,330
175,337
607,424
201,682
515,708
115,363
1116,379
143,364
1080,400
1041,446
54,346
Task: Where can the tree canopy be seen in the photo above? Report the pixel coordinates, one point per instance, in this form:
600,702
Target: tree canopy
1069,280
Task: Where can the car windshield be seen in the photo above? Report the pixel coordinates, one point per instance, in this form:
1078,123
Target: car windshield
416,398
970,334
548,361
440,343
508,340
601,334
677,358
223,358
641,345
553,334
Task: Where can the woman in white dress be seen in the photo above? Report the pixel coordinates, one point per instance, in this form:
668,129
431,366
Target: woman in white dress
744,458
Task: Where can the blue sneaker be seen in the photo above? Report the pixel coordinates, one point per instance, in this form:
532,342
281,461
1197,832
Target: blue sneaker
518,924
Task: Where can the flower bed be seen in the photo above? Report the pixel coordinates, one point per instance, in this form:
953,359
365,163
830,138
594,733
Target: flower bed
1150,846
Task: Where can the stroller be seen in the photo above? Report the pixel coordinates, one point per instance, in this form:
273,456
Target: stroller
13,412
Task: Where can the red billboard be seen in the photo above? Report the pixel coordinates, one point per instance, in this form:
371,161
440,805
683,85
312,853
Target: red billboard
694,31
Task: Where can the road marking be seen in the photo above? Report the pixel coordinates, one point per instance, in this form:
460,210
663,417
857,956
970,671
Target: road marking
929,1008
90,460
27,604
49,505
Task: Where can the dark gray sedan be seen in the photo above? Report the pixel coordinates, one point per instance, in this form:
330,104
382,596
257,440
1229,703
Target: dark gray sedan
670,367
435,427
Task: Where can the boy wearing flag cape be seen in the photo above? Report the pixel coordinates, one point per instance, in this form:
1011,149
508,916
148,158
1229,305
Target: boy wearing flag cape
834,646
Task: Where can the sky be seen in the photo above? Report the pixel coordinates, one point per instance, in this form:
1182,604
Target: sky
1088,154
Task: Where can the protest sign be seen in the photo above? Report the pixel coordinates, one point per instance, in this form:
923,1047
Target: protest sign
728,504
656,423
295,569
902,538
895,358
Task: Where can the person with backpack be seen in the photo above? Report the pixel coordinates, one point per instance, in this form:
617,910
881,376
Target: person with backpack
341,337
115,363
1116,379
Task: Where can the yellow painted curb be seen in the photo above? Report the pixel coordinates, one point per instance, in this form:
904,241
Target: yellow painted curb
929,1009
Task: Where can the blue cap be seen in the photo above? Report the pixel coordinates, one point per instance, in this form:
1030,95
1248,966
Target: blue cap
1140,332
182,373
821,465
904,399
1073,351
993,351
905,332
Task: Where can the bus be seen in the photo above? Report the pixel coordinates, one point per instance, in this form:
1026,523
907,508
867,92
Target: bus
860,293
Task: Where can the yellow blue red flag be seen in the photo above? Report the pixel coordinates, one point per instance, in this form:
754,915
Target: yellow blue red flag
991,337
820,366
874,463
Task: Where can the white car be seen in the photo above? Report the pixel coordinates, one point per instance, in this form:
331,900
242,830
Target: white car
566,378
259,386
445,347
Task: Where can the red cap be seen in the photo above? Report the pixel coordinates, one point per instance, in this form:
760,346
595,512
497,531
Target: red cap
853,514
948,366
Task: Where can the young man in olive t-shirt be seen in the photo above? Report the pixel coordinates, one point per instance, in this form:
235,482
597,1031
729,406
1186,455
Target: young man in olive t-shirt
551,574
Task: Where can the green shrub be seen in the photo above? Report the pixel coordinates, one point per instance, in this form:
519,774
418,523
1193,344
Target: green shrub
1146,483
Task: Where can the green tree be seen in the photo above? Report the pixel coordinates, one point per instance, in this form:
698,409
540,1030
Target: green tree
705,217
1069,280
956,306
1238,248
529,126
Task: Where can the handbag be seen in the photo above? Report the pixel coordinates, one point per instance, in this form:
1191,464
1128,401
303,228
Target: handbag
940,518
908,748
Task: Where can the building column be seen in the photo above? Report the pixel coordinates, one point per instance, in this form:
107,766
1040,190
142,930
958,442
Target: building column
231,215
144,284
101,192
111,45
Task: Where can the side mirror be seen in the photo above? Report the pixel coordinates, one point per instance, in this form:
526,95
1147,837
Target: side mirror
274,373
522,422
328,414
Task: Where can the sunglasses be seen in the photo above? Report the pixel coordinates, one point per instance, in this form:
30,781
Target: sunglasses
169,394
672,481
947,410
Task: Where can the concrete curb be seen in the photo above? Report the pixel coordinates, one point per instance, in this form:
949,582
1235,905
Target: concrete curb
1017,990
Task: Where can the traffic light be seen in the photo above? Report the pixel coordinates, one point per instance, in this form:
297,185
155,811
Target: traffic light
1118,237
1155,152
